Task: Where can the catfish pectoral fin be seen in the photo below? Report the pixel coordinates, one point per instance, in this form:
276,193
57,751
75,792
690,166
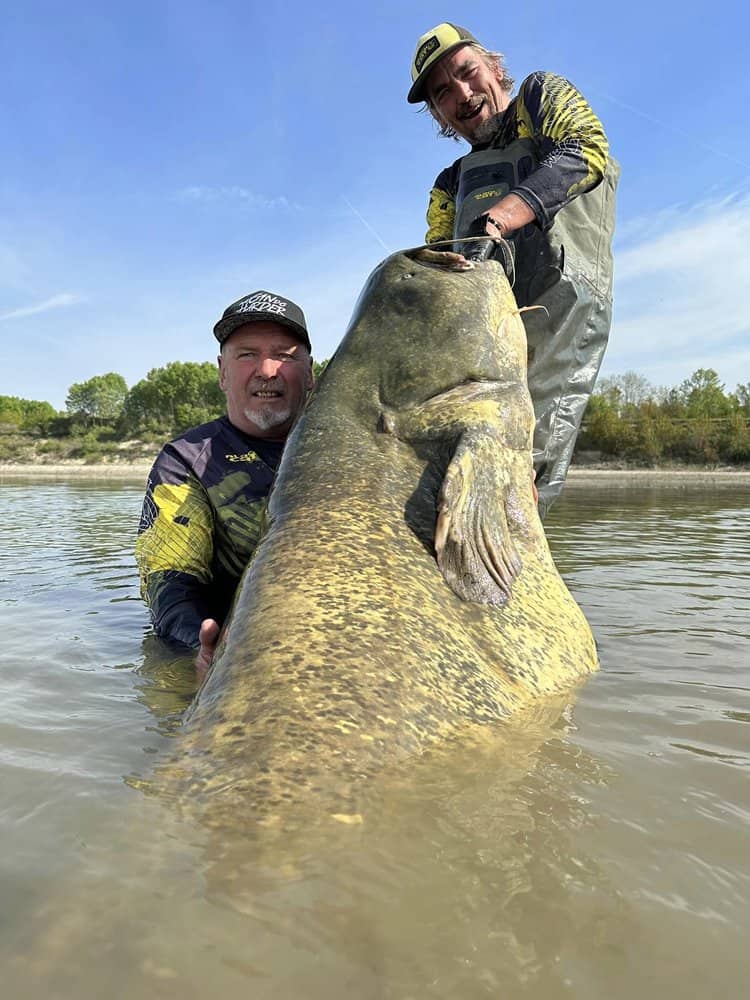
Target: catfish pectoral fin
473,546
476,568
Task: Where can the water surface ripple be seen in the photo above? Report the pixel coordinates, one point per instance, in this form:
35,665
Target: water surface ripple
598,850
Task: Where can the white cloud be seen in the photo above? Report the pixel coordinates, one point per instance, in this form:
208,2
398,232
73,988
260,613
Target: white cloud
55,302
680,295
236,194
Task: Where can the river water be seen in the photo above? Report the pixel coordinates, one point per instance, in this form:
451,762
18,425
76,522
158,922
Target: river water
601,848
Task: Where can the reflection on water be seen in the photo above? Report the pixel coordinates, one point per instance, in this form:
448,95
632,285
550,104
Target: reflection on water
166,683
596,848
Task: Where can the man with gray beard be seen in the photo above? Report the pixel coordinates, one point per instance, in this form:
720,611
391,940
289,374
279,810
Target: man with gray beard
207,490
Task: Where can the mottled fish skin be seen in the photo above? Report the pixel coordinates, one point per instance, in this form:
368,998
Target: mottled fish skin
348,652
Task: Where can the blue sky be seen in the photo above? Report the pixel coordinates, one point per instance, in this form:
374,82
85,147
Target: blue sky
161,159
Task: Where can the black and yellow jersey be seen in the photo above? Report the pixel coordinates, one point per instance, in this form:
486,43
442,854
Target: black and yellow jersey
571,149
200,524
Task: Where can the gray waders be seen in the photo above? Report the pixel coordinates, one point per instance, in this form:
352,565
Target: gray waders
567,269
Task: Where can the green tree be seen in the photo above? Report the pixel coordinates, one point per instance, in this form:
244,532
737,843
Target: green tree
626,391
604,429
37,415
735,438
654,434
703,395
742,398
26,414
673,404
173,398
11,410
100,399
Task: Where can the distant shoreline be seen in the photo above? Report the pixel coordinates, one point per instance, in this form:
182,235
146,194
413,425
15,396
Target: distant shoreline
581,475
135,471
599,476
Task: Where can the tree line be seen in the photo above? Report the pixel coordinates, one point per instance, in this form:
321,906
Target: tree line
166,402
695,422
627,418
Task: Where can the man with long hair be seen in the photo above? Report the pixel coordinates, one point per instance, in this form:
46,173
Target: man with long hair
540,177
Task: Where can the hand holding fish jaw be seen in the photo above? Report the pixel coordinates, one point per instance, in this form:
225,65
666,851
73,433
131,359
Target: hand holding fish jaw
472,539
443,258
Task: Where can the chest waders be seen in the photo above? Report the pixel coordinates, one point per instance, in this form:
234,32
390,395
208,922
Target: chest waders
568,270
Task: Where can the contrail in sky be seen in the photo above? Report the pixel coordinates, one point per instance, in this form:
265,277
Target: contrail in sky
64,299
365,223
663,124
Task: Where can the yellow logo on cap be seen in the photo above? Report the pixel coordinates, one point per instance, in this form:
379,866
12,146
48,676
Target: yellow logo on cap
424,52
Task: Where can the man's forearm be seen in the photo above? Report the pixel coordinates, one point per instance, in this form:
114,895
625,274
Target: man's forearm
508,215
178,605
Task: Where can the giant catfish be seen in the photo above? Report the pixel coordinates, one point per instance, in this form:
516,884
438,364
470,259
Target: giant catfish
404,594
401,618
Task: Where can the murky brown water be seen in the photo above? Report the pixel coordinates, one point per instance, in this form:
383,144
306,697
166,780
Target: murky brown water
599,848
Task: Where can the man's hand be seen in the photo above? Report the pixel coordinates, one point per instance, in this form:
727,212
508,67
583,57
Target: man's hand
208,637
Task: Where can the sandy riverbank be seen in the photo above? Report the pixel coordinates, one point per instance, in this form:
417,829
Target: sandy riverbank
585,476
123,471
579,475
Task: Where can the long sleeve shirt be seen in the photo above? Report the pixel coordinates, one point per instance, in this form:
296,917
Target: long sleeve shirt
572,152
200,524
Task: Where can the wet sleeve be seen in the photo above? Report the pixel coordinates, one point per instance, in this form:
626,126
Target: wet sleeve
174,551
573,147
178,604
441,213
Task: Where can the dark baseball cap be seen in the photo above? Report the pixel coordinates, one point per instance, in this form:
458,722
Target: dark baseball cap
431,47
268,306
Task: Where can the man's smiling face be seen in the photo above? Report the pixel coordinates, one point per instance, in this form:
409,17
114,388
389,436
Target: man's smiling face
465,92
266,374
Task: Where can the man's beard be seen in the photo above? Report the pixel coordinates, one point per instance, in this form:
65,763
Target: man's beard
486,130
267,416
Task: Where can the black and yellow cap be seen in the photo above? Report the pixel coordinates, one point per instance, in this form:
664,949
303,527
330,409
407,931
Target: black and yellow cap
433,46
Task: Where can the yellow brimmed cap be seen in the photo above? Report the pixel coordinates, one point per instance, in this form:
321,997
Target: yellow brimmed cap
431,47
